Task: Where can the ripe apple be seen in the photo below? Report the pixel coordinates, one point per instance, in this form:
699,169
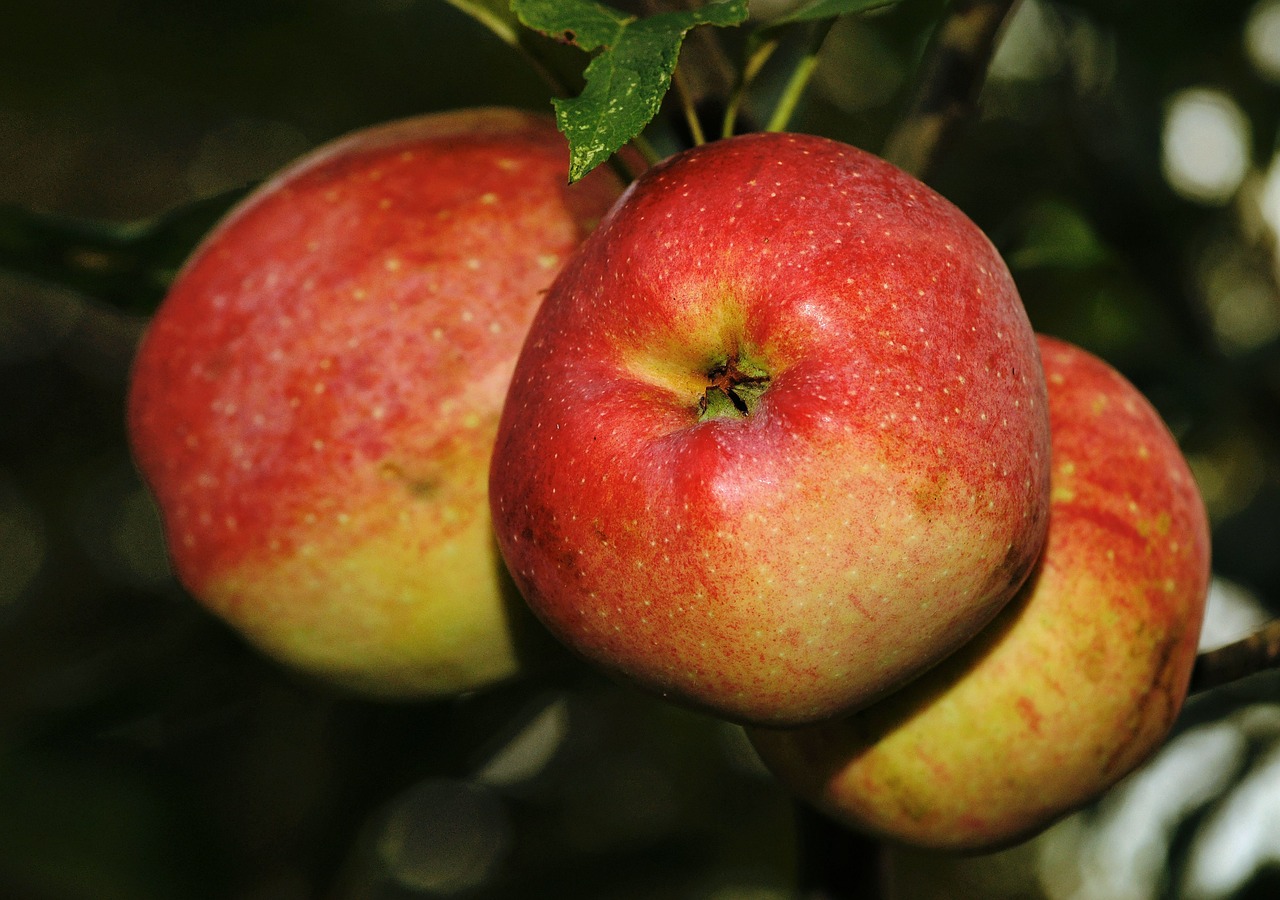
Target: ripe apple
1075,683
315,402
777,440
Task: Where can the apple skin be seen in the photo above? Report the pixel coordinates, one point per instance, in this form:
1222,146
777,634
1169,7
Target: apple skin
1077,681
887,492
315,402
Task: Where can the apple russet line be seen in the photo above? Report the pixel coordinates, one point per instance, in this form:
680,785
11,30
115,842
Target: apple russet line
777,441
1075,683
315,402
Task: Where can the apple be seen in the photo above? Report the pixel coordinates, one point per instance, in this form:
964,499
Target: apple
777,440
1074,684
315,402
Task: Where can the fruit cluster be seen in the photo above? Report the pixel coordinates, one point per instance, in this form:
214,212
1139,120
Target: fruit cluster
775,440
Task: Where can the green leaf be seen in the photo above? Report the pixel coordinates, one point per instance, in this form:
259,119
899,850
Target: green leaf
627,79
584,23
496,15
828,9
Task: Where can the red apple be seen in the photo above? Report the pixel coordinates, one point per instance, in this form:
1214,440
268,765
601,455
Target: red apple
315,402
1076,682
777,440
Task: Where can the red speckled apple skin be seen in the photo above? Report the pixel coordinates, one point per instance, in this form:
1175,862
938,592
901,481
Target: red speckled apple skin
882,501
1077,681
315,401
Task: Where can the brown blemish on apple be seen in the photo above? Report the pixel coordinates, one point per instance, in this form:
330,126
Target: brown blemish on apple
928,495
569,564
1030,714
419,486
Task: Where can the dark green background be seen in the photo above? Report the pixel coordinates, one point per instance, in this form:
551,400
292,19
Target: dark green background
146,753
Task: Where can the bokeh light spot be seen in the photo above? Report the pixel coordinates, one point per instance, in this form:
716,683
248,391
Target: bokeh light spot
444,836
1269,200
1239,295
1242,833
1262,39
528,753
1205,146
1231,612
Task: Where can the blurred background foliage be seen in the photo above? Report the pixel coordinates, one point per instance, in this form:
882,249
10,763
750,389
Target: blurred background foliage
1124,159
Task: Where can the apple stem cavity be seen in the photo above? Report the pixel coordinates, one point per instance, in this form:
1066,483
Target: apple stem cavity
733,390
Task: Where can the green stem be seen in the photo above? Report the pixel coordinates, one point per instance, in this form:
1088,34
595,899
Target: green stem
754,64
689,108
647,150
799,79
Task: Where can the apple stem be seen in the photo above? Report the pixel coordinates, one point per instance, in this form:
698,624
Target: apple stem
750,70
689,108
800,77
733,390
950,81
1256,653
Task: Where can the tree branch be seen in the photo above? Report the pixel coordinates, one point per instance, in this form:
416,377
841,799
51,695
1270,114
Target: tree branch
1249,656
952,76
